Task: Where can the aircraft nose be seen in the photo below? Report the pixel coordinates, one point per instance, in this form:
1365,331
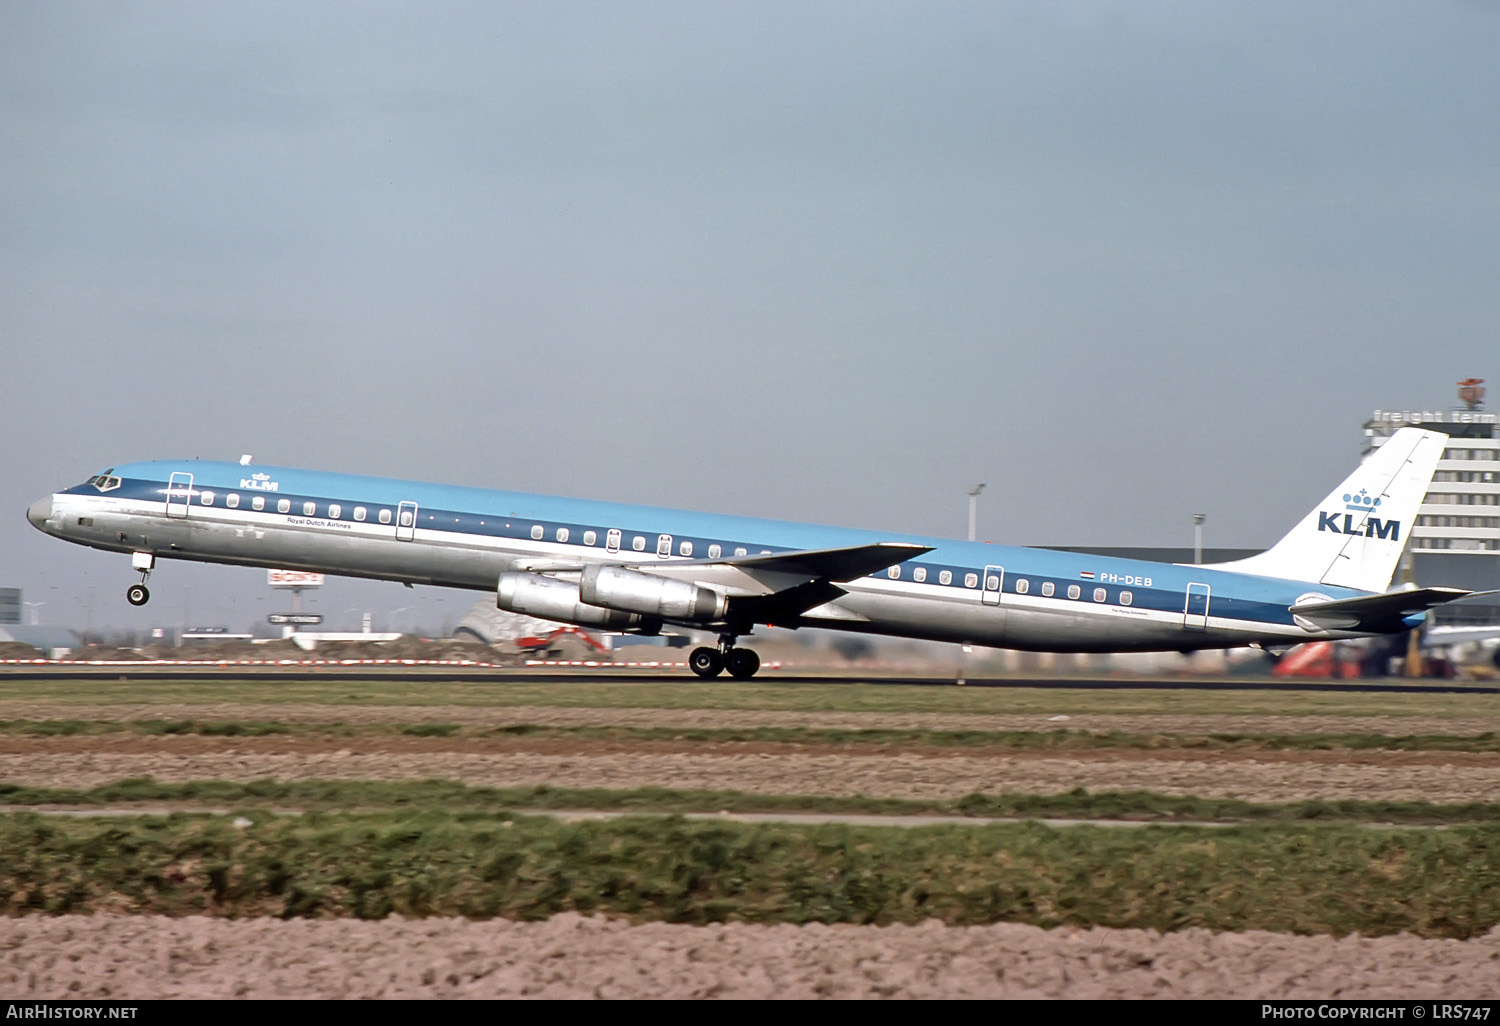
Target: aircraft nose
39,512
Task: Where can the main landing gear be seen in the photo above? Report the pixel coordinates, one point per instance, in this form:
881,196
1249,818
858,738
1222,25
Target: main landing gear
139,594
710,662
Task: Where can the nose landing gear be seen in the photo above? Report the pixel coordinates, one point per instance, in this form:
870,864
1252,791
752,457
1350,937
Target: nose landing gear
139,594
742,663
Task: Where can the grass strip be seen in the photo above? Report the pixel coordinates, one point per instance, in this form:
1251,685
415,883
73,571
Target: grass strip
831,696
1142,806
1016,740
1334,879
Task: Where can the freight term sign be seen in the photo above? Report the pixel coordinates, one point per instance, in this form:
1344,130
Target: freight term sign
293,579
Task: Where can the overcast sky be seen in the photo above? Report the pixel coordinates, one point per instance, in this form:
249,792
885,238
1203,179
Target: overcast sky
837,262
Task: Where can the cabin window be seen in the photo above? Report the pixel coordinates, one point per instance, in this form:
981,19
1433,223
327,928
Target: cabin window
919,574
1073,591
385,516
740,551
638,543
614,541
257,502
1022,586
992,582
536,532
207,498
945,577
309,509
1047,589
335,511
283,505
714,551
685,549
1099,595
894,573
232,500
406,518
970,580
360,513
664,545
562,534
1126,598
590,537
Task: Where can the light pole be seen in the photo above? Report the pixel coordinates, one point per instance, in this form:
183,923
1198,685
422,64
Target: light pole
1198,519
974,508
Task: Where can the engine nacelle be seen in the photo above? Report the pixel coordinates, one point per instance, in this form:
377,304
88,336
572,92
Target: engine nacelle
550,599
617,588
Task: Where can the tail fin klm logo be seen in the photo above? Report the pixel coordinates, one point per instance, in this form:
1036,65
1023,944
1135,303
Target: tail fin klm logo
1373,527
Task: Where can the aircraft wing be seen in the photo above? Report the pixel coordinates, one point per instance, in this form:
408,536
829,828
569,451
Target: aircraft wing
1380,614
841,564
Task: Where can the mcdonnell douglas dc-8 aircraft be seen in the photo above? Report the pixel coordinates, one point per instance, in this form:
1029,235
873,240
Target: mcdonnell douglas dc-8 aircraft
639,569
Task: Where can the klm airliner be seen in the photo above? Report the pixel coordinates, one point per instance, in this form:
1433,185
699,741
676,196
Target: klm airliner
640,569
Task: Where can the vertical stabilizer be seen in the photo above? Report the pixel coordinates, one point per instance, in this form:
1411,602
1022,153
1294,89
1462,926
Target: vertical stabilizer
1354,537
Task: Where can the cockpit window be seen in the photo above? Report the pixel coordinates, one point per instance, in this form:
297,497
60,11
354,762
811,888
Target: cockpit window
105,482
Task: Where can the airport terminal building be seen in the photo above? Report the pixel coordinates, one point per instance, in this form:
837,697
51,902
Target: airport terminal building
1456,538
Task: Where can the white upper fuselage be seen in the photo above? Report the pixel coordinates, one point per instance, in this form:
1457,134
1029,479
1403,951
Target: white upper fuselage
467,537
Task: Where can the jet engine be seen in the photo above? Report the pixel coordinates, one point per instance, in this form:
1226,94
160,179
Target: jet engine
615,587
551,599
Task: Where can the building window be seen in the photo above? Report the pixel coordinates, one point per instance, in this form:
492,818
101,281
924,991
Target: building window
1126,598
1099,595
1022,586
562,534
335,511
919,574
1047,589
283,505
1073,591
207,498
590,537
385,516
970,580
945,576
360,513
232,500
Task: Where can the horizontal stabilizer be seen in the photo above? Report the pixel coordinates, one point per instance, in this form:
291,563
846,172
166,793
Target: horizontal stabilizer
1377,614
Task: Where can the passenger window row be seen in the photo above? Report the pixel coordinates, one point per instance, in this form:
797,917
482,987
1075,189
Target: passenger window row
335,511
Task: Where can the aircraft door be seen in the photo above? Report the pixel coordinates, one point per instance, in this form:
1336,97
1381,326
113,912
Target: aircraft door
179,495
406,521
1195,613
994,580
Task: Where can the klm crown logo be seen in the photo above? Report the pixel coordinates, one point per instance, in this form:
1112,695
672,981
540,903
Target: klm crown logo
1365,524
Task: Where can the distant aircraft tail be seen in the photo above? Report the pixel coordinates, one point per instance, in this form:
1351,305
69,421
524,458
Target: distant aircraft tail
1354,537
